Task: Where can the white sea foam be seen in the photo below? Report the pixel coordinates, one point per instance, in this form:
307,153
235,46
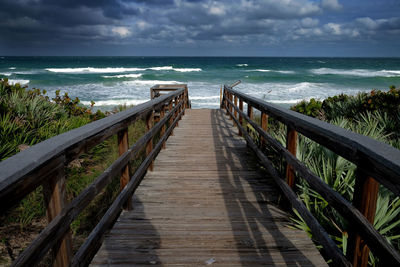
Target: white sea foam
288,101
304,86
242,65
93,70
161,68
124,76
279,71
6,74
187,69
149,82
285,71
261,70
117,70
21,82
116,102
205,104
12,68
204,97
357,72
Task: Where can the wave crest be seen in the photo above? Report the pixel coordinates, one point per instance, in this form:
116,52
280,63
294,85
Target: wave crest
357,72
124,76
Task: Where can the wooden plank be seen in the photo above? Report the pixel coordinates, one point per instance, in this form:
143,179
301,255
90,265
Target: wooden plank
185,216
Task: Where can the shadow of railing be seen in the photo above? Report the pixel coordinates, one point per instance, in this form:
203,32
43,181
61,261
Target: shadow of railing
254,222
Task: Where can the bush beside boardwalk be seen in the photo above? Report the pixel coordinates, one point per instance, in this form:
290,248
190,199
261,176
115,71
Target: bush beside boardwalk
28,117
375,114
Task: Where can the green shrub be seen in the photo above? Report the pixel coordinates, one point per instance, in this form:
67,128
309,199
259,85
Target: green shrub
310,108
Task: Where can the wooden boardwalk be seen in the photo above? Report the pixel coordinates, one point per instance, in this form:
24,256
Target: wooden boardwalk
206,203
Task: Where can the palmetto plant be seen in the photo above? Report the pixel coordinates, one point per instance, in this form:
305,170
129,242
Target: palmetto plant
339,174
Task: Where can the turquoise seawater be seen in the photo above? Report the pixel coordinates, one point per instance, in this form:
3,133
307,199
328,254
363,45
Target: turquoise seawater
110,81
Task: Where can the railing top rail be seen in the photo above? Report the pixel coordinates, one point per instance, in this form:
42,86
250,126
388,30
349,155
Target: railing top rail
15,168
375,158
169,86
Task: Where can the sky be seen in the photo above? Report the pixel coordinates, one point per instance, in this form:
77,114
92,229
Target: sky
333,28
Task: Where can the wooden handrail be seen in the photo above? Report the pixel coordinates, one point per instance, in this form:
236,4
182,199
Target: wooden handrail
22,173
58,150
355,147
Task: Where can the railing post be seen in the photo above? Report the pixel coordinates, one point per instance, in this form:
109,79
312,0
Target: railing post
149,146
220,97
291,146
230,106
235,112
187,98
264,126
171,119
249,114
226,101
123,146
240,115
162,114
55,199
364,199
183,107
176,111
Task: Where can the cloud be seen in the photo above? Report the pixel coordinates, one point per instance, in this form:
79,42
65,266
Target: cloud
195,23
331,5
309,22
122,32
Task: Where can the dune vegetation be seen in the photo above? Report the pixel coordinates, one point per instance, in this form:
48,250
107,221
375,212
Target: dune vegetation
375,114
28,117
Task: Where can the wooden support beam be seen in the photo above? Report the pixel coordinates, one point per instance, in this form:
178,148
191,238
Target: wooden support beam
220,97
177,111
235,112
149,146
55,200
364,199
230,106
123,146
240,116
226,102
172,117
264,126
162,132
249,114
291,145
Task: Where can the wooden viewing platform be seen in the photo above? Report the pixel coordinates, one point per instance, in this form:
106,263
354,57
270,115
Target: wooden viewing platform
205,201
210,196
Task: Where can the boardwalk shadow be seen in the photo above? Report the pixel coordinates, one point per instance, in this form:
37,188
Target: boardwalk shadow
258,225
133,241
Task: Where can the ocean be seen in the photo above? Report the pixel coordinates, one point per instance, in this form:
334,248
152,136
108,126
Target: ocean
110,81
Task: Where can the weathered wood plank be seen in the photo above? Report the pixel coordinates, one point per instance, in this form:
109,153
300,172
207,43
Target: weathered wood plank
202,202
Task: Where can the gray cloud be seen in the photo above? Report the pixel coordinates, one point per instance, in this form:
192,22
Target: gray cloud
190,23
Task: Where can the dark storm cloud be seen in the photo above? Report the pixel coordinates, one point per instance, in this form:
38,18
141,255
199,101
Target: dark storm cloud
196,23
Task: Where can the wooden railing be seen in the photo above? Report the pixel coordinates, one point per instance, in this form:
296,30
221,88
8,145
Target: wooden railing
44,164
373,159
160,89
